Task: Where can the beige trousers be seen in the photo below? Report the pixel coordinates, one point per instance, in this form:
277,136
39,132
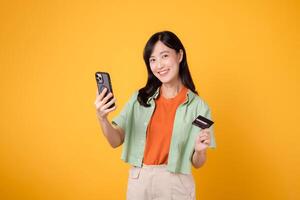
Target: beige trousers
154,182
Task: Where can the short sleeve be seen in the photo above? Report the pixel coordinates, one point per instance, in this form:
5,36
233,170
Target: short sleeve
120,120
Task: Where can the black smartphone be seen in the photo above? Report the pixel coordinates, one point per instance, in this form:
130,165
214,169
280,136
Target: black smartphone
103,81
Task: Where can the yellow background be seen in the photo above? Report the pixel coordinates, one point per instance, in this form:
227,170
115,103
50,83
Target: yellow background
244,57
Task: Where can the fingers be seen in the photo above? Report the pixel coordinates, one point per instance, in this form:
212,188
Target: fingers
107,105
105,99
203,140
205,132
100,96
204,136
103,103
104,112
111,109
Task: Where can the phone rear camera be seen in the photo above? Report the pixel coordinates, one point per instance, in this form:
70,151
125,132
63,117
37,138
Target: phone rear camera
99,78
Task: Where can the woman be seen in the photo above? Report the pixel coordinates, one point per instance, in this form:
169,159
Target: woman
155,126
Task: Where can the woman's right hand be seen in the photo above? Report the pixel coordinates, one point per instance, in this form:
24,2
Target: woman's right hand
102,104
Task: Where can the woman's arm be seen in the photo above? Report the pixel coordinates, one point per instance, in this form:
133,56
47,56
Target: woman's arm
113,134
199,158
201,144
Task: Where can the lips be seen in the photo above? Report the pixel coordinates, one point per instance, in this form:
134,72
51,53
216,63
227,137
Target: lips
163,72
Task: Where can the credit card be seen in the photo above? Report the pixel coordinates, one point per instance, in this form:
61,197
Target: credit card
202,122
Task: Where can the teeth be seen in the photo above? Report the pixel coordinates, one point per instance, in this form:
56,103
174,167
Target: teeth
163,72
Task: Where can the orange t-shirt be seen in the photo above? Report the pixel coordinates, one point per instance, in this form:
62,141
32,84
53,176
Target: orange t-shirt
160,128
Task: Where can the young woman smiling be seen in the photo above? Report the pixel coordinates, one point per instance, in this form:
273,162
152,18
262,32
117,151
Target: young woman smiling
155,126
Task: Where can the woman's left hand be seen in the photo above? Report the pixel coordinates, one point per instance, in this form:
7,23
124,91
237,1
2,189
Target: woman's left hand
202,140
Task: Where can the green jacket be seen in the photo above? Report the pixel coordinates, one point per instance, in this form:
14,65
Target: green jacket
135,118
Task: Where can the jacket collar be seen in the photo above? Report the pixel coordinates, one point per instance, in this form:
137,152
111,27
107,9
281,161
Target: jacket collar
190,96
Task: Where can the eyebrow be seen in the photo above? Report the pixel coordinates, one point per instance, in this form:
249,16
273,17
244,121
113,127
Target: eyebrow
166,51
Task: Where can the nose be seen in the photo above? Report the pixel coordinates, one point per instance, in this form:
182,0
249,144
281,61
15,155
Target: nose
160,64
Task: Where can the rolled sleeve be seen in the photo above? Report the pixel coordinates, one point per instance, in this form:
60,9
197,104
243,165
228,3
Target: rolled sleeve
120,120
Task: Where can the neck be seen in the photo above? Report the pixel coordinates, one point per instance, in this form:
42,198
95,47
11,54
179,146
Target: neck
170,90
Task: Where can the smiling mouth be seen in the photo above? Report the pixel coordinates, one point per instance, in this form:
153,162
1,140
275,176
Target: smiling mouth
163,72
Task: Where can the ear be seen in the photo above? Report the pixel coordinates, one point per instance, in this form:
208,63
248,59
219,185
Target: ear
180,55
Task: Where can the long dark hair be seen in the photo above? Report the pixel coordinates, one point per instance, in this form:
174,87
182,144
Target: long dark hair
153,83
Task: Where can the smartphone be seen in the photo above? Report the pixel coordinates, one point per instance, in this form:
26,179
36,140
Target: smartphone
103,81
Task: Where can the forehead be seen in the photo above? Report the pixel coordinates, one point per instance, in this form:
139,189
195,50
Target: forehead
160,47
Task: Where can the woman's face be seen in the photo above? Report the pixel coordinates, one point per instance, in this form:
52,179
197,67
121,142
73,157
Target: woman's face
164,63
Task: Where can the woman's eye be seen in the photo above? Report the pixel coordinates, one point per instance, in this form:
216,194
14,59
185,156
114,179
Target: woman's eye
165,55
152,60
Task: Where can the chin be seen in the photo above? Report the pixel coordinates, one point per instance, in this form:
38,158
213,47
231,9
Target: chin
165,81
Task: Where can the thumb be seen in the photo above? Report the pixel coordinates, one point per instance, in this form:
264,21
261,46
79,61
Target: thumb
198,139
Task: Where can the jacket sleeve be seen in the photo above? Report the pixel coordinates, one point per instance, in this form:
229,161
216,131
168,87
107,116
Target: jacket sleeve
120,120
204,110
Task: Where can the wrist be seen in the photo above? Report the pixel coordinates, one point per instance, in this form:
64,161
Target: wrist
200,152
102,119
